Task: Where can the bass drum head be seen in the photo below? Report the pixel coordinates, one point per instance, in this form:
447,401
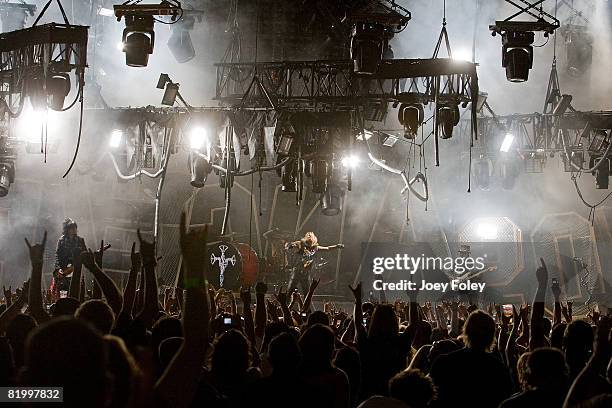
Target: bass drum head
225,266
250,264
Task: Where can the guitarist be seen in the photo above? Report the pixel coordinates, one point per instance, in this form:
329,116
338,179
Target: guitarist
305,249
68,246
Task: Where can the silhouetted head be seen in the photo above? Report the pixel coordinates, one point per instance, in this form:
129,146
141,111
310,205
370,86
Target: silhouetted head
383,323
556,335
577,345
98,313
17,332
168,349
441,347
231,355
522,370
413,387
69,227
124,370
479,331
64,307
317,345
69,353
546,368
165,328
318,317
284,354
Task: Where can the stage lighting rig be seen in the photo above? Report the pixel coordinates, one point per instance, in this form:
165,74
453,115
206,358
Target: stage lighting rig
15,15
139,36
373,24
8,156
448,118
518,37
180,43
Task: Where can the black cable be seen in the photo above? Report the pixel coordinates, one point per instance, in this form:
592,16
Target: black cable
76,152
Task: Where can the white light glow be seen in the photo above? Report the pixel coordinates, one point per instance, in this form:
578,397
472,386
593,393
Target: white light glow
120,45
487,231
115,139
197,138
462,55
106,12
507,143
350,161
365,135
32,124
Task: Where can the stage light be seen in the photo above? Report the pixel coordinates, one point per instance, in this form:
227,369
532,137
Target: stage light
367,45
462,55
115,139
482,172
289,177
6,178
365,135
599,142
319,170
350,161
486,231
106,12
198,138
58,87
411,117
507,143
517,54
331,201
448,118
35,122
579,49
200,169
120,46
602,173
138,40
562,105
285,144
180,43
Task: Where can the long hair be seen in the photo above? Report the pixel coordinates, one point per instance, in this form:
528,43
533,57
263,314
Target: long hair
67,224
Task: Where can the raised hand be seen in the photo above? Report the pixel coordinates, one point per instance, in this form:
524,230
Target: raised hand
313,284
280,296
8,295
261,288
556,289
193,248
542,273
37,251
135,258
100,253
245,295
88,259
357,293
147,250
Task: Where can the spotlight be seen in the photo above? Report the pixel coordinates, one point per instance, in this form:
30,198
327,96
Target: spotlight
507,143
200,169
517,54
138,36
138,40
289,177
120,46
115,139
58,87
602,173
331,201
350,161
486,231
285,143
579,50
197,138
562,105
448,118
180,43
367,45
319,170
7,176
599,142
462,55
482,172
364,135
105,12
411,117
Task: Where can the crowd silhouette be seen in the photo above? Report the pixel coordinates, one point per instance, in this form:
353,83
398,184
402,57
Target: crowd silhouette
198,346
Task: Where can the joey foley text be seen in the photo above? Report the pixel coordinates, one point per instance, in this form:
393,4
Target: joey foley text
407,265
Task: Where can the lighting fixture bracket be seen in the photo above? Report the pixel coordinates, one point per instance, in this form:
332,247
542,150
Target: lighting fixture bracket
545,22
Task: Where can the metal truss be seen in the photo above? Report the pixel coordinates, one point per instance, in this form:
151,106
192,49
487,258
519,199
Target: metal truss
332,85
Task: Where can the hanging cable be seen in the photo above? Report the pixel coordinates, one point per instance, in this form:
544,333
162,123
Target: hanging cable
76,151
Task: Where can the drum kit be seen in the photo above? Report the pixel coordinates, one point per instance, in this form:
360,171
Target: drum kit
235,264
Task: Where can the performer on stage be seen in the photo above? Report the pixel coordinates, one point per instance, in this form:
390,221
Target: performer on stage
305,249
68,246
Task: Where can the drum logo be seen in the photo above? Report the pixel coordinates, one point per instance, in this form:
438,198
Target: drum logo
222,261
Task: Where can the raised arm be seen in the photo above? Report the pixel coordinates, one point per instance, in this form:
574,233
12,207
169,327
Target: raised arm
249,326
281,298
109,289
360,331
311,290
327,248
129,293
35,300
15,308
260,309
556,290
151,303
179,382
537,337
